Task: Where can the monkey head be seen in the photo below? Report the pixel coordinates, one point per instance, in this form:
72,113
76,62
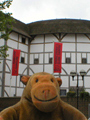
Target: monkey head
43,88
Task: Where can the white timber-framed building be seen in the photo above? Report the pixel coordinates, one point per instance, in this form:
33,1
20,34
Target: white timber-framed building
35,40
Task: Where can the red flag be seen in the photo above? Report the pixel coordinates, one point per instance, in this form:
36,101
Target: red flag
57,57
15,62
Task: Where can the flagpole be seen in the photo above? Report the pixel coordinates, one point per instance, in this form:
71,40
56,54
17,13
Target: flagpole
11,77
53,57
10,84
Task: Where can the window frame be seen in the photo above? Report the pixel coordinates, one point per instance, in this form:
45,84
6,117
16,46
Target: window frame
84,60
36,61
23,40
68,60
22,60
64,91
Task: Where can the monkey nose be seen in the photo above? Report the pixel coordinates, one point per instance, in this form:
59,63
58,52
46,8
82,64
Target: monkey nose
46,93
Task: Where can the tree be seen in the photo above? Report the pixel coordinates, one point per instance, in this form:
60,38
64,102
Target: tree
5,25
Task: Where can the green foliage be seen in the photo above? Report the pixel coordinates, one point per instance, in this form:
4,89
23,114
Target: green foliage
71,94
5,25
5,4
84,95
2,51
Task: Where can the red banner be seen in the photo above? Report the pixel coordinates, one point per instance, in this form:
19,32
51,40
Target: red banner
57,57
15,62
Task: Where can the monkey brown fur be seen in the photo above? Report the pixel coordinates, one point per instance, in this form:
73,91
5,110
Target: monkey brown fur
41,101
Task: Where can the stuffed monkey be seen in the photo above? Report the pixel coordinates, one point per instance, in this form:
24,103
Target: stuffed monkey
41,101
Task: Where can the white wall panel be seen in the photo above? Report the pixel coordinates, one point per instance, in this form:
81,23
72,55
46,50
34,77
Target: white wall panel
68,47
7,79
13,81
14,36
63,57
38,39
12,44
37,68
68,38
31,59
50,38
73,83
68,67
30,71
19,83
46,58
26,58
8,91
23,47
9,64
49,47
49,68
22,68
63,72
67,54
82,38
19,91
41,58
82,67
36,55
83,47
84,55
88,58
22,54
87,81
73,57
51,54
64,81
10,53
78,57
36,48
25,72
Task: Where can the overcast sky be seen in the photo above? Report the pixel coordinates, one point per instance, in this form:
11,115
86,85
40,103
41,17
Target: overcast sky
34,10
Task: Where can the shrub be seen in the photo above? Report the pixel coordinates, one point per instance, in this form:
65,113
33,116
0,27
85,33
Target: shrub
71,94
84,95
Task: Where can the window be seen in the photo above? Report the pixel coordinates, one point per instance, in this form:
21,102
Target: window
84,60
23,40
68,60
50,60
36,61
62,92
22,59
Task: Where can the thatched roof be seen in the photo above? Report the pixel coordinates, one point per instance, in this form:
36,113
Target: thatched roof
59,26
20,27
52,26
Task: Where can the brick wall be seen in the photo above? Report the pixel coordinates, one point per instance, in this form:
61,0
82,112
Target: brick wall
82,105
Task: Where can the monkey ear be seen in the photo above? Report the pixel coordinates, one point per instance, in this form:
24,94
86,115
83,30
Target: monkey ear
59,81
24,79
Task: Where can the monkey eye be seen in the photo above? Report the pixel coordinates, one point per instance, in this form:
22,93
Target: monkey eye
36,80
52,80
